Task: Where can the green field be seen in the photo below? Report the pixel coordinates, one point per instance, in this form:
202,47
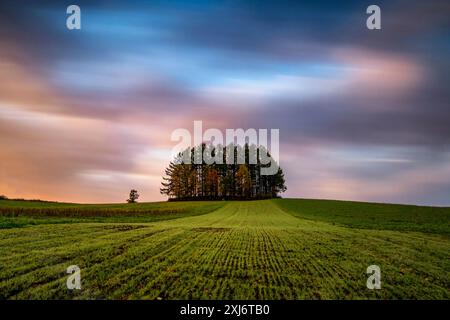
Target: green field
269,249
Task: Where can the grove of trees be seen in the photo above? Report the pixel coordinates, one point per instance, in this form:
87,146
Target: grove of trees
217,181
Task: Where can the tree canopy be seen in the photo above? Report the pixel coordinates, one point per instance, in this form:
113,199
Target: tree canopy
217,181
134,195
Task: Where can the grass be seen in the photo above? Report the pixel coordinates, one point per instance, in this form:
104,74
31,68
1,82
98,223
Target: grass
371,215
270,249
22,213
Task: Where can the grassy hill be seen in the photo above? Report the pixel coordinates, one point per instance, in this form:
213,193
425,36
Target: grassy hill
371,215
270,249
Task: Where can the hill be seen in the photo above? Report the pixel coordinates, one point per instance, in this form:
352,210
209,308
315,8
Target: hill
268,249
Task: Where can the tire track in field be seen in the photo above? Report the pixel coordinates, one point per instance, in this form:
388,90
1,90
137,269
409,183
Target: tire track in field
98,260
33,259
50,265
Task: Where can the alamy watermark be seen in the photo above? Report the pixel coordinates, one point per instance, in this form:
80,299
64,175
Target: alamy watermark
73,22
74,280
373,22
235,140
374,280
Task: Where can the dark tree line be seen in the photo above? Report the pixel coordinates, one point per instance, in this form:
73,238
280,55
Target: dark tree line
229,180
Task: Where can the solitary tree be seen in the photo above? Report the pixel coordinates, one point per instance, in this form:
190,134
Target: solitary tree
134,195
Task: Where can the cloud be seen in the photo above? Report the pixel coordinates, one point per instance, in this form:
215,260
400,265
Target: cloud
85,116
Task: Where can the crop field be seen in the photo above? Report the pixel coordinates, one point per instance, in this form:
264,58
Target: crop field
269,249
22,213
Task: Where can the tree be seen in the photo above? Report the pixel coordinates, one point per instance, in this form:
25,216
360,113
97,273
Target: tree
226,185
278,183
134,195
212,183
243,181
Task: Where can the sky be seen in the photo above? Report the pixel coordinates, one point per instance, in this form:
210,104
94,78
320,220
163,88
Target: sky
86,115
